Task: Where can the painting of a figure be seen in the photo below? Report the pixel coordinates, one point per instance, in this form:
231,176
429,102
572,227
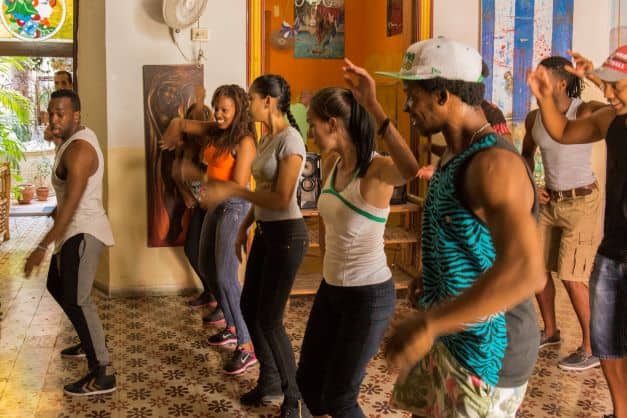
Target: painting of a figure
321,33
395,17
168,91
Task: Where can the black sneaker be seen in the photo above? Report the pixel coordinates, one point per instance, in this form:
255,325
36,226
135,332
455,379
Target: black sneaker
222,338
75,352
214,318
240,361
294,410
98,381
205,299
258,395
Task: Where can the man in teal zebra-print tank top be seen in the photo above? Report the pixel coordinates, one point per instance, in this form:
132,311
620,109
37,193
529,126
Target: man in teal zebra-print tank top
472,347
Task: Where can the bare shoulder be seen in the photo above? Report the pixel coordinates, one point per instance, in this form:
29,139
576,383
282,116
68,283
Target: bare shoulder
495,176
80,153
531,118
247,142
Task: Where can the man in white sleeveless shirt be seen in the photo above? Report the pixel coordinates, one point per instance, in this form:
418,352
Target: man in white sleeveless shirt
81,230
570,212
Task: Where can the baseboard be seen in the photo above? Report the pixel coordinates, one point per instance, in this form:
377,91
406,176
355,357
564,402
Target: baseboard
145,291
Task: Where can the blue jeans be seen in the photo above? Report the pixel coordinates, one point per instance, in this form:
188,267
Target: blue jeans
608,321
345,328
278,250
218,261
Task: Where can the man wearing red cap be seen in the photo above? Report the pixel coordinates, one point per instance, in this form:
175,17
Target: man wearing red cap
608,283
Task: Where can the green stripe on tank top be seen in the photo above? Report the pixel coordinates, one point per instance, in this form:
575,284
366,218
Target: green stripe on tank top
355,208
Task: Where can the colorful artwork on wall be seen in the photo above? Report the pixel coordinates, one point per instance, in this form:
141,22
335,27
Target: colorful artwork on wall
168,91
395,17
321,32
33,20
515,36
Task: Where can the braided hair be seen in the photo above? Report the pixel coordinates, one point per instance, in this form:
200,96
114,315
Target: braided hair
557,64
275,86
339,103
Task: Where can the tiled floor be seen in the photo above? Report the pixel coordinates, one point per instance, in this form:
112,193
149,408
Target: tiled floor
166,369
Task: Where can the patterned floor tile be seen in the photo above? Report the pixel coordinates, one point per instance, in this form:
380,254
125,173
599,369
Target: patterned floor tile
166,368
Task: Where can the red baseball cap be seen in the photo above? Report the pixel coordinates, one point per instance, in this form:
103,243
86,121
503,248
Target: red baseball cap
615,67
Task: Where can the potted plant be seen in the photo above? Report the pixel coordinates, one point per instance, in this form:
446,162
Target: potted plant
15,108
43,169
24,193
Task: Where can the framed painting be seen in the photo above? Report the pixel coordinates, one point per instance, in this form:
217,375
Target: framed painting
395,17
168,92
321,32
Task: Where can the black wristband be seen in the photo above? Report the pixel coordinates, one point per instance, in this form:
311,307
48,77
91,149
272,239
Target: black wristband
383,127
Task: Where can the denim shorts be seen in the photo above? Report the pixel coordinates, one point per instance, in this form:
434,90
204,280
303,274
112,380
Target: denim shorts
608,295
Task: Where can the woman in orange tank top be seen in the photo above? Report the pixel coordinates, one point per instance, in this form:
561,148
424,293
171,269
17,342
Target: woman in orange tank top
228,155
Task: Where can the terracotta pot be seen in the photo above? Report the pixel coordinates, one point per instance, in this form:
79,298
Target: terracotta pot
26,191
42,193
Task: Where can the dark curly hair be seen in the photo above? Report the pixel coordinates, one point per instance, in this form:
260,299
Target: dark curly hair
339,103
470,93
242,124
557,64
274,85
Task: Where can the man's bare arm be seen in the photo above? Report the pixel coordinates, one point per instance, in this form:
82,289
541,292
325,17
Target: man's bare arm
500,192
80,161
529,146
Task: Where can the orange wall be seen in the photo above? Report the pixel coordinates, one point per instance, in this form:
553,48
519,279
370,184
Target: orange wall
366,44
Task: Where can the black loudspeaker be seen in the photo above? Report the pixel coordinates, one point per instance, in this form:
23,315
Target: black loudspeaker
399,195
309,183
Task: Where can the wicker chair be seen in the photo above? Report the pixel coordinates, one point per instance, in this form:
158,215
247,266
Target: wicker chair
5,200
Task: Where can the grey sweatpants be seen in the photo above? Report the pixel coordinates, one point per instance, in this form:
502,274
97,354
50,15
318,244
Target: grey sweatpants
70,280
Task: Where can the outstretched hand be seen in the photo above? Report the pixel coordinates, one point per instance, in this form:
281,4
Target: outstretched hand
361,83
540,84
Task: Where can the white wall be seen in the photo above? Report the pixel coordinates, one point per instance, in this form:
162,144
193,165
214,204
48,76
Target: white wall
137,36
116,39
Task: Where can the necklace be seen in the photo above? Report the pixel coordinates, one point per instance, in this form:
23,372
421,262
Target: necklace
478,131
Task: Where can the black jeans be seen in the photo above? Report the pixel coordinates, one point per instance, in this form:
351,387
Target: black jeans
277,251
192,244
345,328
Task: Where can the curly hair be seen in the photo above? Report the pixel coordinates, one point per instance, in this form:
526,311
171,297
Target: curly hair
242,124
470,93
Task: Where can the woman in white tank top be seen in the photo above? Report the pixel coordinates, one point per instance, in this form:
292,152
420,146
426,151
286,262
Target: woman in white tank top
356,298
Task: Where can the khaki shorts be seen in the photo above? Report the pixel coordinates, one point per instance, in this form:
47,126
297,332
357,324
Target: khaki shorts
570,233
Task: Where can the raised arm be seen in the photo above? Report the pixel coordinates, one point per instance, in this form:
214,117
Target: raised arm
579,131
529,146
364,90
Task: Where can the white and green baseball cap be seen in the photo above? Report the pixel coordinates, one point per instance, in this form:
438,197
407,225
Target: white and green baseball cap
439,57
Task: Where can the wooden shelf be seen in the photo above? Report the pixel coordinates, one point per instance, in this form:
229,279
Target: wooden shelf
310,212
403,208
308,283
399,235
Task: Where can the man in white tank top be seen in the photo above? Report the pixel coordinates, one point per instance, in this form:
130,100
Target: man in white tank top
569,215
81,230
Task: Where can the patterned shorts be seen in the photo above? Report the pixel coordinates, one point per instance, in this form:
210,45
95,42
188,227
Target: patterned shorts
439,387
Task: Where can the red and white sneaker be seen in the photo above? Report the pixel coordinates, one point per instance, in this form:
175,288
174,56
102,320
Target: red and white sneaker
240,362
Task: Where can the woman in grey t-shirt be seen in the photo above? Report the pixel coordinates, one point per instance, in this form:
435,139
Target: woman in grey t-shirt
280,241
